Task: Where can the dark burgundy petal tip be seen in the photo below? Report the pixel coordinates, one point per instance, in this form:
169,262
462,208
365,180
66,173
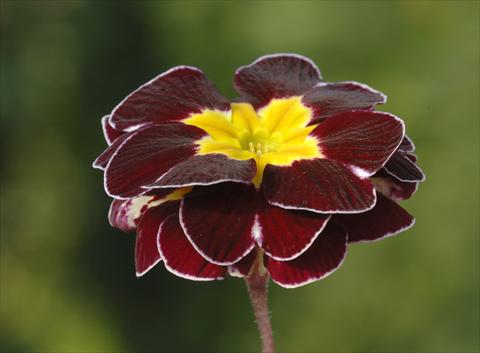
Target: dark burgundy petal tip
207,170
180,257
109,132
406,145
325,256
102,160
362,139
242,267
403,167
146,155
276,76
327,99
171,96
146,250
286,234
318,185
386,219
218,220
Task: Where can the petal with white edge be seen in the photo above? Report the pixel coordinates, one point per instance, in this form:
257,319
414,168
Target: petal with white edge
181,258
320,260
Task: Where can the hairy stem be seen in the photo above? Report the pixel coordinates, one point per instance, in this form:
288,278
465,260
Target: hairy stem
257,289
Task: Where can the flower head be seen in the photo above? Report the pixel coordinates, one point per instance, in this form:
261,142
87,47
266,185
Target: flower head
282,178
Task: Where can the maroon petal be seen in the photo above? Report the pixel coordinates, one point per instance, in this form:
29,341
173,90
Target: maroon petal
103,159
124,214
171,96
402,166
146,155
321,259
362,139
109,132
285,234
146,250
207,170
276,76
392,187
219,219
242,267
318,185
327,99
406,145
181,258
387,218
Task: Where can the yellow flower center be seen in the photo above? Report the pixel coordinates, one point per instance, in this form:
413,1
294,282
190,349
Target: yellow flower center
276,134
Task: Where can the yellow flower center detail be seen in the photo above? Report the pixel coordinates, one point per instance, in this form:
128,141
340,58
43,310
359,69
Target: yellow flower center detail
276,134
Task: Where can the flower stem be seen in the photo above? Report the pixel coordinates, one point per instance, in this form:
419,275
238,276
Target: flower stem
257,289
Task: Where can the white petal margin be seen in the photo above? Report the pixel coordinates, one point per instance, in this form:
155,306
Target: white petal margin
355,83
271,56
208,258
259,238
172,270
314,279
387,235
331,211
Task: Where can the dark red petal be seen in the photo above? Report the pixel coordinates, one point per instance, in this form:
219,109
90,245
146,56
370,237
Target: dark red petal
124,214
318,185
207,170
242,267
285,234
218,220
103,159
109,132
171,96
276,76
387,218
327,99
406,145
362,139
402,166
321,259
392,187
146,250
148,154
181,258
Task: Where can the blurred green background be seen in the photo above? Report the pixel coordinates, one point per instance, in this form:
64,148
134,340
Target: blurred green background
67,278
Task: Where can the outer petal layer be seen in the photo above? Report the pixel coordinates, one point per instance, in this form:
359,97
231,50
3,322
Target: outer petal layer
403,167
146,250
321,259
242,267
207,170
276,76
181,258
219,219
318,185
362,139
171,96
109,132
102,160
285,234
387,218
392,187
124,214
327,99
146,155
406,145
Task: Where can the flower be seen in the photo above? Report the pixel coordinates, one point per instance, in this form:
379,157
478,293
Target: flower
283,177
